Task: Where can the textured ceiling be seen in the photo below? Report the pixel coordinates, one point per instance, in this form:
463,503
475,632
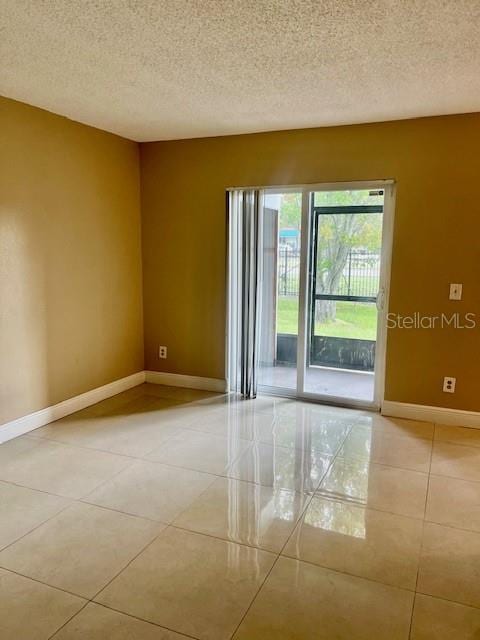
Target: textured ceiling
153,70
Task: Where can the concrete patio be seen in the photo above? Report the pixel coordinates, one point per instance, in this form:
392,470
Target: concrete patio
353,385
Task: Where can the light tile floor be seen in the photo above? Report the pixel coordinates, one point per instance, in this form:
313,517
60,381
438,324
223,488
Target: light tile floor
163,514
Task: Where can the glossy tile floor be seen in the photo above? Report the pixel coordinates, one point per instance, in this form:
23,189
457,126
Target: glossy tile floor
163,514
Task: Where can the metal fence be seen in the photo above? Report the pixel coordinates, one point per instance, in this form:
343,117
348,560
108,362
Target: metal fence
360,275
288,271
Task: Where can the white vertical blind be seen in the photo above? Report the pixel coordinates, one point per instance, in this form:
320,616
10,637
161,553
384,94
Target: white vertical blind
245,213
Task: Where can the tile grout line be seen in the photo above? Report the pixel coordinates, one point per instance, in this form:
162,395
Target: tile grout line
347,573
116,474
67,506
307,499
92,599
144,548
439,475
255,596
198,498
58,495
45,584
344,499
109,451
278,556
460,444
420,552
47,493
85,604
123,513
130,615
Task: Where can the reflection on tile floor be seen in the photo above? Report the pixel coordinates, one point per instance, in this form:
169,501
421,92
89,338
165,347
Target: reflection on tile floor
168,513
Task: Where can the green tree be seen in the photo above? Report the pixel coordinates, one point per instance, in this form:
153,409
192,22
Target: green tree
338,234
291,211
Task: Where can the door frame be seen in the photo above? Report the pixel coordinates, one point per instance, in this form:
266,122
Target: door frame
389,187
384,290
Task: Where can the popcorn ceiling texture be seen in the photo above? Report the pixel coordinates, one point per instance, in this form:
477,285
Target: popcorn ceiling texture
157,70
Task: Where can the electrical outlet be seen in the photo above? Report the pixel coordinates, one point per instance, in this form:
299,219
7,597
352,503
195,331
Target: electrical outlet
162,352
455,292
449,384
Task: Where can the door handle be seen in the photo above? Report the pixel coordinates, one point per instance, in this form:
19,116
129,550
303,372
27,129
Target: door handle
381,299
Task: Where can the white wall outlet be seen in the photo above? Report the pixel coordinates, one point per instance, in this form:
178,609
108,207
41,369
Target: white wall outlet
455,292
162,352
449,384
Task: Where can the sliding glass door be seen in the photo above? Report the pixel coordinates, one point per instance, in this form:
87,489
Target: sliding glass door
325,280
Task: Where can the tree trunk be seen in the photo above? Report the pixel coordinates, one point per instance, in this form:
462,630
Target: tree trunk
331,259
325,311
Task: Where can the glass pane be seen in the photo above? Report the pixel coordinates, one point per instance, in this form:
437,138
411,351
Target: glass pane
280,290
342,352
348,254
347,198
346,246
345,319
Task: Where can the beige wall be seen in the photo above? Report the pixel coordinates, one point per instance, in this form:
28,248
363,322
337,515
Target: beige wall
436,164
70,259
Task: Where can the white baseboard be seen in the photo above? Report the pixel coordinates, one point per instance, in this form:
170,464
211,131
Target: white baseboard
40,418
32,421
440,415
191,382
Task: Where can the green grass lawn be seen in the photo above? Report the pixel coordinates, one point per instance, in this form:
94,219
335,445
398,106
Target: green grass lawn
354,320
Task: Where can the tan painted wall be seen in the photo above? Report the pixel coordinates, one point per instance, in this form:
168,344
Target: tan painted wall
70,259
436,163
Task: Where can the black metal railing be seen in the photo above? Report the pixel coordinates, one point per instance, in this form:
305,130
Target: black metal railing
360,275
288,271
